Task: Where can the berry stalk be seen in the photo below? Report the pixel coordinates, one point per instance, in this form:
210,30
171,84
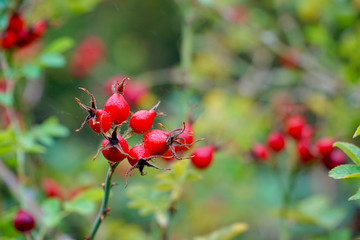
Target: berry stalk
104,205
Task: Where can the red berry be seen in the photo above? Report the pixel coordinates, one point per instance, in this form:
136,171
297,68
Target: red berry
336,158
52,189
260,151
202,156
8,40
40,28
102,121
324,146
294,126
117,106
186,138
135,91
136,153
307,133
16,23
24,221
155,142
111,149
276,141
99,120
142,120
304,152
87,55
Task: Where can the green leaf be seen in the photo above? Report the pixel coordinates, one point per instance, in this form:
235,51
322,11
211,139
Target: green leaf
31,71
51,209
82,206
52,60
226,233
351,150
345,171
94,194
6,99
60,45
318,211
357,132
7,141
356,196
50,128
146,200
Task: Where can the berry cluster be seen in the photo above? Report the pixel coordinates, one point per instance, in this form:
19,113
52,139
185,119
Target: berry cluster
155,143
298,129
17,35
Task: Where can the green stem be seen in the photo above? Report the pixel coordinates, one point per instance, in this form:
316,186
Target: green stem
187,39
6,60
104,205
287,195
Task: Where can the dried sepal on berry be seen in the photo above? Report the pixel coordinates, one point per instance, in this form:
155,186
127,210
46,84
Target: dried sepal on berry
98,119
114,148
139,158
176,140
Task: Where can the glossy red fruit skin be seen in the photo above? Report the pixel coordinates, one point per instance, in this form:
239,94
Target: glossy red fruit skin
188,136
118,108
294,126
24,221
8,41
304,152
202,157
334,159
142,120
324,146
136,153
260,152
155,142
276,141
113,154
102,120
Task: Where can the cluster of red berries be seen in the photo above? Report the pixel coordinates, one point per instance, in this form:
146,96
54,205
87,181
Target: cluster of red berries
17,35
155,142
87,55
296,127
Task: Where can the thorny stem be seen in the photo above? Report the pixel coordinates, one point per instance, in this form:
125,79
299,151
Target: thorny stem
104,205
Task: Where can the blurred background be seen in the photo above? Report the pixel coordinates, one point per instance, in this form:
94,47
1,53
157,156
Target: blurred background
238,68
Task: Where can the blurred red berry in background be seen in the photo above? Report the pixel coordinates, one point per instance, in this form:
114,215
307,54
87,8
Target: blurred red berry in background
24,221
294,126
276,141
87,55
260,152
